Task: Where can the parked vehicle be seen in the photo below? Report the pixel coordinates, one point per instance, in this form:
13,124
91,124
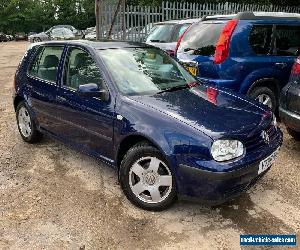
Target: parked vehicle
20,36
3,37
137,109
91,36
10,37
31,33
77,33
165,35
250,53
290,102
52,34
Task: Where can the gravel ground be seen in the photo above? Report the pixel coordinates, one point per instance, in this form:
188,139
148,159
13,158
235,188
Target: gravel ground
55,198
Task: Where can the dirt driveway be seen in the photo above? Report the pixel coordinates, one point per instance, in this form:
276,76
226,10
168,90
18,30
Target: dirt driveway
52,197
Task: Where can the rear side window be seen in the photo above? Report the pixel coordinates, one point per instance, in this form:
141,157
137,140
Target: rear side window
260,39
45,64
201,39
287,42
161,33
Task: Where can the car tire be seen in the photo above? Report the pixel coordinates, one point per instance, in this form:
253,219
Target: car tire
146,179
265,96
26,124
294,134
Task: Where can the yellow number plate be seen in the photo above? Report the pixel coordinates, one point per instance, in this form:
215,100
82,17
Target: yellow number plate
193,70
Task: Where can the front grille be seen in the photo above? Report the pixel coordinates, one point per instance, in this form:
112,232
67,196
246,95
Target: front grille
255,142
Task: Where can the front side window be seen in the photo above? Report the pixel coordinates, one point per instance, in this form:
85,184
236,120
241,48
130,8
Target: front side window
46,62
260,39
287,41
141,71
201,38
81,69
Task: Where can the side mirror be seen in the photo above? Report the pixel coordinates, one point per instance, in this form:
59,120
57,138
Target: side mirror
92,90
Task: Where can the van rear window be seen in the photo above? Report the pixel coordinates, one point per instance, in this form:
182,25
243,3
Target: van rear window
201,38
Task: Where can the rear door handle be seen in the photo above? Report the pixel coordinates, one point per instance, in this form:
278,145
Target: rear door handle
281,65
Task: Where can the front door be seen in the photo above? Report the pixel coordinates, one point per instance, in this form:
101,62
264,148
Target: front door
87,122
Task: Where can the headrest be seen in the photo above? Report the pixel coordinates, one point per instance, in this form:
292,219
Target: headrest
81,60
51,61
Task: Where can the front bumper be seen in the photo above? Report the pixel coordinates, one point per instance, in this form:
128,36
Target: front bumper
214,188
290,119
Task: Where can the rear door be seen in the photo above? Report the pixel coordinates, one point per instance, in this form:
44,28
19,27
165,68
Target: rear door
286,50
42,76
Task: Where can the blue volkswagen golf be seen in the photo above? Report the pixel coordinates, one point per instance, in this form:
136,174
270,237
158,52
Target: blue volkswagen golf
137,109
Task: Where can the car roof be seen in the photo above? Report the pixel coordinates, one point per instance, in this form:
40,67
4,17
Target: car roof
183,21
62,25
98,45
249,15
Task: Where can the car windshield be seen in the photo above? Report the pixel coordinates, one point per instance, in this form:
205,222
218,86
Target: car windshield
161,33
144,71
201,39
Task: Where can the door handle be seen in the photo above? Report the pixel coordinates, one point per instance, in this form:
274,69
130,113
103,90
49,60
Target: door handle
281,65
61,99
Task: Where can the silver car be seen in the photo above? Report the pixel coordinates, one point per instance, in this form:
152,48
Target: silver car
165,35
55,33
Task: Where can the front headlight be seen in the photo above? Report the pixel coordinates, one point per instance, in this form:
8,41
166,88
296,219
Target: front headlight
225,150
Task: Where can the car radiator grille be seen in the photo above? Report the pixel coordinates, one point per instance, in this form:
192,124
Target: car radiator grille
255,142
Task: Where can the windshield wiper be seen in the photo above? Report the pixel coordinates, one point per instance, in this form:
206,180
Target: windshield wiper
157,41
188,49
180,87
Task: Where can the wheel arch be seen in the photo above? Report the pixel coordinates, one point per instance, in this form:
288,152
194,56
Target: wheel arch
17,100
271,83
129,141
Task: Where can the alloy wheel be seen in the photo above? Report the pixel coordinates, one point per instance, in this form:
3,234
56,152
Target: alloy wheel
24,122
265,99
150,180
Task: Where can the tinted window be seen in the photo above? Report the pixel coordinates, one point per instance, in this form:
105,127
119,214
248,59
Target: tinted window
139,71
260,39
287,41
201,39
45,64
161,33
81,69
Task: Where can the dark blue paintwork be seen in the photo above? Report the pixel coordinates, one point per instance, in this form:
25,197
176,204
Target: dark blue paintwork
182,124
243,68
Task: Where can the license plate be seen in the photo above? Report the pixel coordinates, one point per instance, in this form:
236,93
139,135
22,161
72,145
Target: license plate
192,70
266,163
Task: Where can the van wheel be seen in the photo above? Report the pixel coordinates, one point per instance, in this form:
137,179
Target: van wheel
146,179
26,124
294,134
265,96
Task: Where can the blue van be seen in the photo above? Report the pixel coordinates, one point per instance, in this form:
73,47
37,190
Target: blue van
250,52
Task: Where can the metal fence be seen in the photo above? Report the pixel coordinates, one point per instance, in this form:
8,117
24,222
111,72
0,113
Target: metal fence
134,22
